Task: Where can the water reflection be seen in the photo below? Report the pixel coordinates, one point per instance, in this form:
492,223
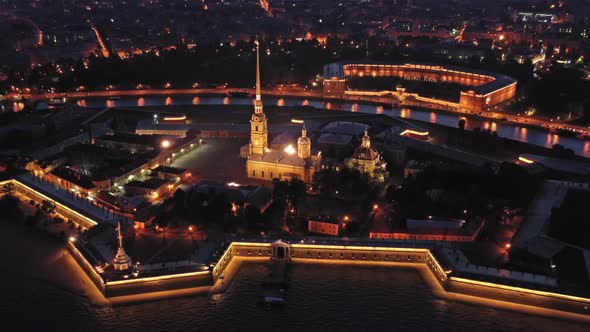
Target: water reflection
406,113
354,108
536,136
432,117
18,106
281,102
379,110
168,101
552,139
523,134
490,126
140,101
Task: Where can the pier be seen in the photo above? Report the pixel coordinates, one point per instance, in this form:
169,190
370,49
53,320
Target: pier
276,283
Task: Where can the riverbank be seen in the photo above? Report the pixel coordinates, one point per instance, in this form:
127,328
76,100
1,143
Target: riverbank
43,259
47,257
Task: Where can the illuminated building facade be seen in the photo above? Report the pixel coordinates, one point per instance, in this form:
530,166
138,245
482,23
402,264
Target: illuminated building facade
265,163
482,89
324,227
365,158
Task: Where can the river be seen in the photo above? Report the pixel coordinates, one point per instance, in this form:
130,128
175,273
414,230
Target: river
320,298
535,136
40,292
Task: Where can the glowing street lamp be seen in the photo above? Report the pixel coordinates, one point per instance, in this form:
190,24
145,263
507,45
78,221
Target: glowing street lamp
165,144
290,149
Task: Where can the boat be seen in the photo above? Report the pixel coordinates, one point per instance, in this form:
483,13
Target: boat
273,300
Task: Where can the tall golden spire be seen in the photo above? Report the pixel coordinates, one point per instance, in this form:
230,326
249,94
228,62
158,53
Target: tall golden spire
258,94
122,261
119,235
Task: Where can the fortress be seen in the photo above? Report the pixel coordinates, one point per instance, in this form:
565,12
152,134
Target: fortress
481,91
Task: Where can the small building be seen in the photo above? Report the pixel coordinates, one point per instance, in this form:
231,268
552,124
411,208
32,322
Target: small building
365,158
260,197
154,186
134,143
324,226
171,173
413,168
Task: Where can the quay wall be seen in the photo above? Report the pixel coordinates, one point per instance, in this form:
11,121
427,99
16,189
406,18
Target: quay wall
335,252
453,287
85,265
60,208
477,286
157,284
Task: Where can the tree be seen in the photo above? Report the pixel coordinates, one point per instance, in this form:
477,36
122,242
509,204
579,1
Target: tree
461,124
179,199
296,191
252,215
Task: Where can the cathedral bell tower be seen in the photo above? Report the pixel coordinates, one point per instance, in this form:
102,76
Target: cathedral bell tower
258,123
304,144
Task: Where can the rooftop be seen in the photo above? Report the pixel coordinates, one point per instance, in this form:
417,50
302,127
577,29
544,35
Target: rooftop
169,169
151,183
148,140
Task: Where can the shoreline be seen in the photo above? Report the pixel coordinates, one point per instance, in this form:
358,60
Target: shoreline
370,100
78,283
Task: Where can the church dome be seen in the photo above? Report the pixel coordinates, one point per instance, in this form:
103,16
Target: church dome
365,153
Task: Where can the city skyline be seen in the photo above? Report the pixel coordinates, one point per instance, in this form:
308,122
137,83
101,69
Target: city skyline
293,164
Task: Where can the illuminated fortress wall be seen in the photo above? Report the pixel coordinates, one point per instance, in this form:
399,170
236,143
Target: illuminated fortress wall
482,90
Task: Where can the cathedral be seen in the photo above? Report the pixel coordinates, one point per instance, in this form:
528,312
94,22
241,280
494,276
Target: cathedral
283,164
365,158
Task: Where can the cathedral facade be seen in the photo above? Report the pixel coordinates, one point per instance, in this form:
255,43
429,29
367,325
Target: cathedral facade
365,158
267,164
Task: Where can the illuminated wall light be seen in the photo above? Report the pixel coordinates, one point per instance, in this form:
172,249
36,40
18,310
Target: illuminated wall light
525,160
414,132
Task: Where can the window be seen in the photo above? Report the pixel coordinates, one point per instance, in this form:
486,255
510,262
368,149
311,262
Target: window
256,128
253,172
262,174
271,175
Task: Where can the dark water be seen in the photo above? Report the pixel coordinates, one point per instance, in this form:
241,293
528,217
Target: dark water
320,298
529,135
